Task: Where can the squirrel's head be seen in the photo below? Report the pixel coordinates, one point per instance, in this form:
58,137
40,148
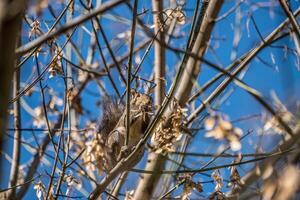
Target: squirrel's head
142,101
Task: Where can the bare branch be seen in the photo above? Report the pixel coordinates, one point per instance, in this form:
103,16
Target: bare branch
10,23
291,17
17,138
77,21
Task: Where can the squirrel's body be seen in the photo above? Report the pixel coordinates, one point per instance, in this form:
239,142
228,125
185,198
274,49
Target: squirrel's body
140,107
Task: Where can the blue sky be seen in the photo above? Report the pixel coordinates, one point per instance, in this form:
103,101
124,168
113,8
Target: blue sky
282,76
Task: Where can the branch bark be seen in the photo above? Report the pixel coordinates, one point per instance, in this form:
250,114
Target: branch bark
145,185
159,53
292,18
17,139
10,21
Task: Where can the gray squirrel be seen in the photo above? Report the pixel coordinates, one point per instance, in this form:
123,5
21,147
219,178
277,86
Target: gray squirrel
112,127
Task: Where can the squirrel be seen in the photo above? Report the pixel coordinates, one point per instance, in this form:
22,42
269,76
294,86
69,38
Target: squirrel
112,127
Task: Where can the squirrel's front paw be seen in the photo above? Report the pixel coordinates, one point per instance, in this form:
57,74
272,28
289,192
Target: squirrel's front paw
124,152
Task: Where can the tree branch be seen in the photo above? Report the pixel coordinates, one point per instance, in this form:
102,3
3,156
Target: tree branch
290,15
145,185
10,23
17,139
77,21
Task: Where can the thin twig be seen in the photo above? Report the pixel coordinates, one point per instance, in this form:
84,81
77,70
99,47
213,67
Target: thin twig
14,171
58,145
291,17
129,66
77,21
110,51
51,29
104,61
37,79
252,53
20,185
280,153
